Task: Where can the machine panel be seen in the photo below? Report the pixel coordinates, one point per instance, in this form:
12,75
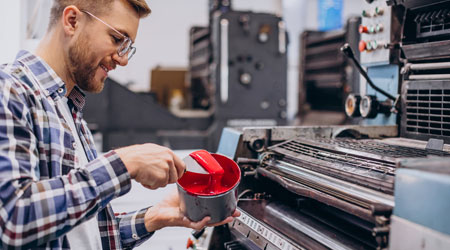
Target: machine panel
380,33
362,187
250,60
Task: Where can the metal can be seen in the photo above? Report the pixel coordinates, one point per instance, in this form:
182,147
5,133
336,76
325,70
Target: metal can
196,204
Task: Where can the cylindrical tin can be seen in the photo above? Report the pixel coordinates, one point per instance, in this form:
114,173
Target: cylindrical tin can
197,205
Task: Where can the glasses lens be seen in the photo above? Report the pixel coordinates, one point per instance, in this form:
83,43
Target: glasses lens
124,47
131,53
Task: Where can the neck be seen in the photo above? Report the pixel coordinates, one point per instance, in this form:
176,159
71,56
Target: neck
53,52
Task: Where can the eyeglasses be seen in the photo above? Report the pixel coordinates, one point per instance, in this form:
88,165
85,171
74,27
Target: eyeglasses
126,47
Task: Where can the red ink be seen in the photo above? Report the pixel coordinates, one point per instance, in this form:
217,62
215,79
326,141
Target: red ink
210,164
212,184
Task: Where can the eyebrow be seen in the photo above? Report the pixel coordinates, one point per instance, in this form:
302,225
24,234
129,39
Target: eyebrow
124,33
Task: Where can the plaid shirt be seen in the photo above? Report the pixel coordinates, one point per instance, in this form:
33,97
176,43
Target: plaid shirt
42,195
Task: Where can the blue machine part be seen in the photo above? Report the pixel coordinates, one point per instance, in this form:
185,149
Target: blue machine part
423,198
330,14
229,141
385,77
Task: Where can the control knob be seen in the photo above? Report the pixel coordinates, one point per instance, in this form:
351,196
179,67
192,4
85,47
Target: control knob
379,11
366,13
362,46
352,105
370,107
379,28
363,29
245,78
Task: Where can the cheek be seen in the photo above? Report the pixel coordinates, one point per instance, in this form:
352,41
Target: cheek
98,47
102,54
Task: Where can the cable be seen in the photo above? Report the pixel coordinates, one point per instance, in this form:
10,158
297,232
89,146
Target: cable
347,50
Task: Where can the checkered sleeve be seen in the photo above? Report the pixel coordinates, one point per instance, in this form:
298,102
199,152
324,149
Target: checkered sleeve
132,228
35,210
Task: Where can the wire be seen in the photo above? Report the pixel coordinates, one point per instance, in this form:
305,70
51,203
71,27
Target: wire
347,50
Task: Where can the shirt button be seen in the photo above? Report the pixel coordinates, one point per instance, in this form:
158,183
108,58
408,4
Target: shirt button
60,90
74,144
135,237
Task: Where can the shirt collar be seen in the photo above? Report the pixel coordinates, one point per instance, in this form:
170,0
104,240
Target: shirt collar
77,97
45,75
48,79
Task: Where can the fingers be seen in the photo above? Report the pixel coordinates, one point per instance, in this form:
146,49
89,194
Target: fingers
200,224
179,165
152,165
173,174
204,222
177,168
147,186
227,220
236,213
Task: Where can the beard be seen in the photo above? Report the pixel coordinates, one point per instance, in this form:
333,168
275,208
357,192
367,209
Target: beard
82,67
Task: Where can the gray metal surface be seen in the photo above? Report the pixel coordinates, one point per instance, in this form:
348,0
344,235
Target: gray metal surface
261,234
422,196
218,207
351,179
406,235
245,64
301,226
273,225
325,73
367,163
437,49
426,109
283,133
390,20
342,189
224,71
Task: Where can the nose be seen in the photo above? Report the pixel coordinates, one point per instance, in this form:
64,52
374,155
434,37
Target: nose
121,60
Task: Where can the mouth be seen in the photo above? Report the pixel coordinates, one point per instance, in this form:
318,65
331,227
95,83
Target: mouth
104,68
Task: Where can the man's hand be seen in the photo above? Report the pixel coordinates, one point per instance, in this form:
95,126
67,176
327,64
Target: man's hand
152,165
168,214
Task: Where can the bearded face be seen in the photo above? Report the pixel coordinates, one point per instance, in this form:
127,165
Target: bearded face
85,67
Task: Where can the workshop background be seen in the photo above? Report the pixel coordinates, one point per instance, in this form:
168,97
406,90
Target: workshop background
163,42
163,37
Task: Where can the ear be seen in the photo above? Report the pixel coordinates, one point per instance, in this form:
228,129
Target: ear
70,19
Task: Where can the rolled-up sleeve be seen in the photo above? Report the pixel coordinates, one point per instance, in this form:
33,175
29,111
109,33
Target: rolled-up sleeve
132,228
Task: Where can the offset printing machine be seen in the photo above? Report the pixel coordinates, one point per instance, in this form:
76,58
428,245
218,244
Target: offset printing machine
373,186
240,54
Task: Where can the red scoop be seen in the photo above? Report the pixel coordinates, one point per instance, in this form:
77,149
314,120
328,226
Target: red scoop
202,162
207,161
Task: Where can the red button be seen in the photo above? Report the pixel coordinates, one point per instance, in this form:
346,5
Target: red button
190,244
363,29
362,46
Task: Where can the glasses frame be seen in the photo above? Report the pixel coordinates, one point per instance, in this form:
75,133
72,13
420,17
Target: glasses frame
126,47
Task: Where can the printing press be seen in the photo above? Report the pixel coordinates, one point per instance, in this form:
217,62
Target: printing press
226,66
384,184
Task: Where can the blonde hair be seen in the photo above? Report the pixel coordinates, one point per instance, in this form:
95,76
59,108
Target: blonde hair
96,7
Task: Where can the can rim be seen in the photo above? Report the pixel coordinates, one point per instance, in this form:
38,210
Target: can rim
223,192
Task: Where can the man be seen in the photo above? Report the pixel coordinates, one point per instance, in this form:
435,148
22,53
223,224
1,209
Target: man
54,188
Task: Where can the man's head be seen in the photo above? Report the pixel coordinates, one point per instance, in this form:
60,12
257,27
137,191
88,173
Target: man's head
94,35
